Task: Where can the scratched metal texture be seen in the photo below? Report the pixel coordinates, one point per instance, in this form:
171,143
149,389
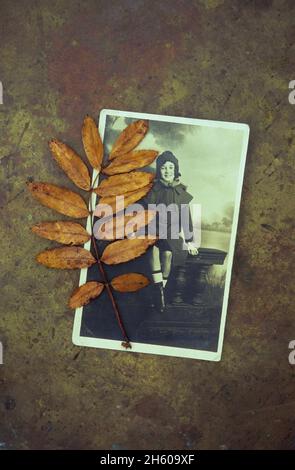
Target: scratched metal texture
215,59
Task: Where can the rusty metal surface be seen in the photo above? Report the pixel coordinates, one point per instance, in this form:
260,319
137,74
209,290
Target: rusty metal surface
215,59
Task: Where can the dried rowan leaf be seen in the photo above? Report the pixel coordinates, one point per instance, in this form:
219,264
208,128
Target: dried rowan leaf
70,257
126,182
62,200
131,161
92,142
129,198
131,136
85,293
130,282
126,250
68,233
123,225
71,163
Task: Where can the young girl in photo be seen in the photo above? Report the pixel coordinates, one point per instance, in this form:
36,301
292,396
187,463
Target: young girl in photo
168,252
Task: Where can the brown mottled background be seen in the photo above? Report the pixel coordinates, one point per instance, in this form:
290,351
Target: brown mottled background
213,59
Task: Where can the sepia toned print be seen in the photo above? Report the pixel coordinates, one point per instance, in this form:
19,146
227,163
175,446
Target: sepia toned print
182,312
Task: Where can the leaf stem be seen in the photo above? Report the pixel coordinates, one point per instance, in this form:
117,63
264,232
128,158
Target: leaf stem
108,287
126,343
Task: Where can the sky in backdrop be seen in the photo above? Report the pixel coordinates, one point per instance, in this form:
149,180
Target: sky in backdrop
209,160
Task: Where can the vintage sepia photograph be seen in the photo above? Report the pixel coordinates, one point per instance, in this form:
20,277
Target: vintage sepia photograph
194,191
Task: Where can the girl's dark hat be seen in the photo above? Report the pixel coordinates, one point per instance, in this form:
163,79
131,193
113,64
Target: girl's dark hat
167,157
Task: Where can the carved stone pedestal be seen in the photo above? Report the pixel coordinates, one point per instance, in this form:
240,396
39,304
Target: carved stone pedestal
188,282
187,320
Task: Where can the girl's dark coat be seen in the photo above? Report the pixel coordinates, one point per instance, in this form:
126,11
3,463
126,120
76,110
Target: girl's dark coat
171,194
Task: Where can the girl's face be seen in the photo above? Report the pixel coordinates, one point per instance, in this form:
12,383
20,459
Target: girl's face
167,172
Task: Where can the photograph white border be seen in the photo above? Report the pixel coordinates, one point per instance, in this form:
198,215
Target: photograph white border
158,349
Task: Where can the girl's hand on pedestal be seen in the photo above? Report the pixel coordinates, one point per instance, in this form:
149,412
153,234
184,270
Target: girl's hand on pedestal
192,249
